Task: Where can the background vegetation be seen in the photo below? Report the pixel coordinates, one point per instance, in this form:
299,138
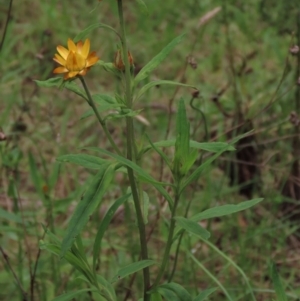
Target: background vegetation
240,60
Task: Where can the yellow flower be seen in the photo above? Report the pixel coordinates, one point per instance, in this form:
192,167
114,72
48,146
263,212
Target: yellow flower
76,60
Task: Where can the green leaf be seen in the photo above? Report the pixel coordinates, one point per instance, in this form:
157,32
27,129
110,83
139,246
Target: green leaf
162,154
101,99
10,216
184,158
213,147
180,292
224,210
84,160
91,200
144,176
155,297
59,82
203,295
70,296
77,262
51,235
104,103
182,145
108,290
156,61
148,86
143,7
51,82
192,227
196,174
280,293
72,86
168,295
131,269
83,34
104,225
122,114
110,68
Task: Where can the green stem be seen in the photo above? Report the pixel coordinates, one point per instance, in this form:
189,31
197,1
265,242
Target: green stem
170,239
101,121
131,154
179,243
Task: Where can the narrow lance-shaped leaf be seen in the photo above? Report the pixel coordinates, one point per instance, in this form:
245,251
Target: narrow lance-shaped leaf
58,82
75,261
84,160
180,292
91,199
70,296
143,7
192,227
51,82
195,175
143,174
206,146
147,69
204,294
108,289
104,225
132,268
224,210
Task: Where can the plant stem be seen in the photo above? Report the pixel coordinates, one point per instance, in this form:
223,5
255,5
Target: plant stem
101,121
170,238
131,154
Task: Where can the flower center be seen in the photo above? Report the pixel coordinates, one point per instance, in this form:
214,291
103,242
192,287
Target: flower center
75,61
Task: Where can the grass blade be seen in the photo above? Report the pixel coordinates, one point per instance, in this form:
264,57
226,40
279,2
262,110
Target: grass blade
280,293
210,275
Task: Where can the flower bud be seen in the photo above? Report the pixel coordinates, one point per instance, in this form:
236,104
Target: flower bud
119,64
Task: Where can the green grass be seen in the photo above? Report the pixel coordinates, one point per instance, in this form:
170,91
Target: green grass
46,123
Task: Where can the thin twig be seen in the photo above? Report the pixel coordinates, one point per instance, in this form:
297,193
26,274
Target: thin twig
6,259
6,24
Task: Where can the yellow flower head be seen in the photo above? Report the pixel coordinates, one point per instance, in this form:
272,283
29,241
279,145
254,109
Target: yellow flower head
76,60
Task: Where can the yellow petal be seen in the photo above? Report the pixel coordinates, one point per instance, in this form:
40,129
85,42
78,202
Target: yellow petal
92,59
75,62
63,51
79,47
72,74
85,48
59,60
83,72
71,45
60,70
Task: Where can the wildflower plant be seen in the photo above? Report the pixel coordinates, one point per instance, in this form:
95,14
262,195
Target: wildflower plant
75,61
